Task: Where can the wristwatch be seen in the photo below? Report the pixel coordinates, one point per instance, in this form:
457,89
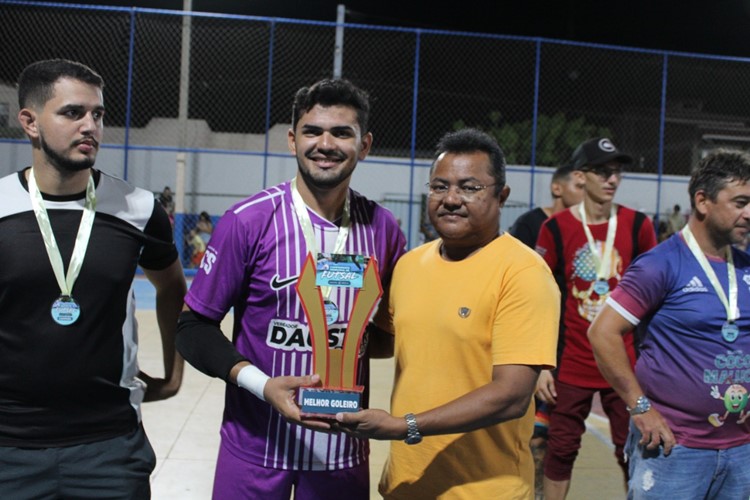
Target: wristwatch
642,405
412,431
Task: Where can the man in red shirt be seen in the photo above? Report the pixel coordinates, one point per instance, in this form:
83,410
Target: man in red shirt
591,244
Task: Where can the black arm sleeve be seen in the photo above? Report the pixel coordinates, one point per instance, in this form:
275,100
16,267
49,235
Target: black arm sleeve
201,342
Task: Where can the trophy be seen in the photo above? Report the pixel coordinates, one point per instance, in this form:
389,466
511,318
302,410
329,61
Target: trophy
337,367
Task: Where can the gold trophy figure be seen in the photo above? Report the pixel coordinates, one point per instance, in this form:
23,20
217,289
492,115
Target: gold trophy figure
337,367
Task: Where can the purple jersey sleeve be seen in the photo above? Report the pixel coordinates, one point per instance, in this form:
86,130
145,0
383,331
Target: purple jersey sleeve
642,288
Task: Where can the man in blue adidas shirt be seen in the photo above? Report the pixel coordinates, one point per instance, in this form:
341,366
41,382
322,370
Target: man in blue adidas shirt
690,299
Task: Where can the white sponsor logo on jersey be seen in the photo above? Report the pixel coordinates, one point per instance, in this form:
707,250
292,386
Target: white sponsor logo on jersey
207,262
292,336
695,285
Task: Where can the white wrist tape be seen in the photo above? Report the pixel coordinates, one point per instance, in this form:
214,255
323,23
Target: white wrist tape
252,379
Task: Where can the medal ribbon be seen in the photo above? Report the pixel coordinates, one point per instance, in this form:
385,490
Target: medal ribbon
731,304
602,261
303,216
50,243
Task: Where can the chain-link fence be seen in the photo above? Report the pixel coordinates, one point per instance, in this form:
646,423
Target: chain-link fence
201,103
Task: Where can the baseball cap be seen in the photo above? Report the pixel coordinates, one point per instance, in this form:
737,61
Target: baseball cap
597,151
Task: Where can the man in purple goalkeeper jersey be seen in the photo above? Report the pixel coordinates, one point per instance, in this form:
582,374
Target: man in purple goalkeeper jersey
690,299
252,263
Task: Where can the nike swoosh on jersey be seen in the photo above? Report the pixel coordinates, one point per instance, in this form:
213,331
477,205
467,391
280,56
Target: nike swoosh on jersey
278,284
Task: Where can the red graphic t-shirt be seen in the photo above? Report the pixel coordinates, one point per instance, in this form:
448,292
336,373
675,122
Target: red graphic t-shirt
563,244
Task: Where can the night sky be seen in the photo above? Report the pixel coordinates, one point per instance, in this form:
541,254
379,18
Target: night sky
709,27
712,27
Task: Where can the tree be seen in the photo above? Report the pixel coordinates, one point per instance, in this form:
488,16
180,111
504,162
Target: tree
556,137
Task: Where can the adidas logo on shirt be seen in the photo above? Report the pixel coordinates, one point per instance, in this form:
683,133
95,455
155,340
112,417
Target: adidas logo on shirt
695,285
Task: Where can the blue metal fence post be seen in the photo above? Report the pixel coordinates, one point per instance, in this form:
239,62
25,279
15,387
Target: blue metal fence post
413,145
662,124
129,93
535,115
269,88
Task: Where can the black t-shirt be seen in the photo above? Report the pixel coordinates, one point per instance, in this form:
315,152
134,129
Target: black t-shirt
66,385
527,225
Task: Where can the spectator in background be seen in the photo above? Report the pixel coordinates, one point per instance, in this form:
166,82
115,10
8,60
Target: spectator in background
676,221
197,246
591,244
425,226
662,230
566,188
204,227
166,199
198,237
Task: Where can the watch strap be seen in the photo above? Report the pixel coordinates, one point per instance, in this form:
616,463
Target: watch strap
412,431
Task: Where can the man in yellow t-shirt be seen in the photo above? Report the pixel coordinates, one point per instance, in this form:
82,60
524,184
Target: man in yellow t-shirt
476,318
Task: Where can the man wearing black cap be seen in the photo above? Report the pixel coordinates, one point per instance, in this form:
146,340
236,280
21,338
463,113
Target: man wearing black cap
590,244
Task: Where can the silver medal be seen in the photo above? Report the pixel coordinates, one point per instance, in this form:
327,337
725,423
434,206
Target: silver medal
601,287
332,312
730,331
65,310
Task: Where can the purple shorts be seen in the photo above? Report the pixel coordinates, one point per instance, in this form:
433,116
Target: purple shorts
237,478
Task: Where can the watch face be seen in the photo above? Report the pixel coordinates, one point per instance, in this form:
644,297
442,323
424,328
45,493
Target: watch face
642,405
413,439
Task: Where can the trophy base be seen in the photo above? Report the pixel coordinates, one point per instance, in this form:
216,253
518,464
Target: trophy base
326,402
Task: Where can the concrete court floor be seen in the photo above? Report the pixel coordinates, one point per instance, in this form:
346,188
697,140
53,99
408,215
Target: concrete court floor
184,431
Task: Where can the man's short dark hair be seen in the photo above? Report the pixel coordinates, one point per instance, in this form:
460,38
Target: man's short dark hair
470,140
37,81
562,173
716,170
333,93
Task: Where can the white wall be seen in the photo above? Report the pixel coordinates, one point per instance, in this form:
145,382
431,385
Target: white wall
218,180
215,181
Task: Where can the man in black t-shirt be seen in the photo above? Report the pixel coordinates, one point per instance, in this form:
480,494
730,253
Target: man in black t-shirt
566,188
71,238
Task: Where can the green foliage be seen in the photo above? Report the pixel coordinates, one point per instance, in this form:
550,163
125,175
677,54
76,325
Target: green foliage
11,133
556,137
